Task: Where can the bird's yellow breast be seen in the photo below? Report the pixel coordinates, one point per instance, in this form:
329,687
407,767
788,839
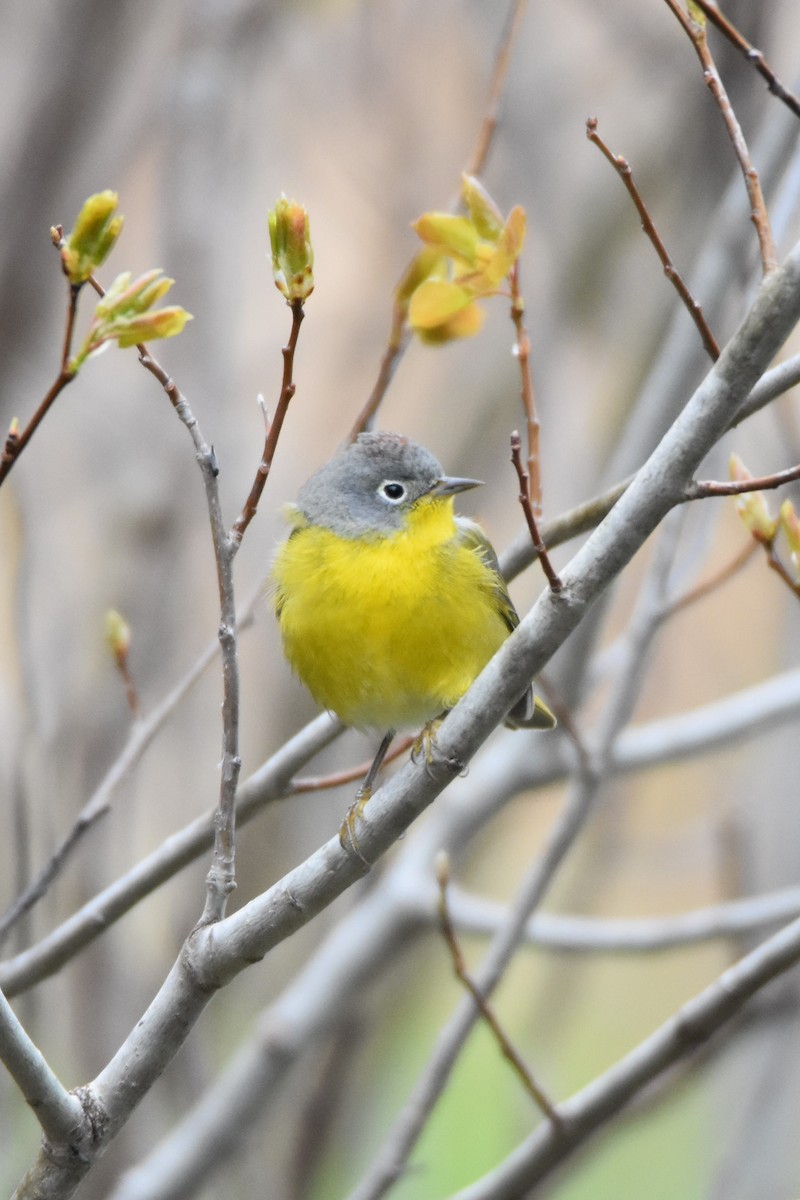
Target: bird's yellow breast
387,631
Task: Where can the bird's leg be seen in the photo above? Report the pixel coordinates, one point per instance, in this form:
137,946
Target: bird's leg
426,748
348,829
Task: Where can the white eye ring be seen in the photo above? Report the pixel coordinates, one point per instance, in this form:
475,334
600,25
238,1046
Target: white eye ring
393,491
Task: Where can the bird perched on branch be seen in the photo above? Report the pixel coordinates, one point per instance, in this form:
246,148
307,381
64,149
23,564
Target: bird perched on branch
390,605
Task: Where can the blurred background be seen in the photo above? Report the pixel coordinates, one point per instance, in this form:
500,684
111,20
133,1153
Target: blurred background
200,115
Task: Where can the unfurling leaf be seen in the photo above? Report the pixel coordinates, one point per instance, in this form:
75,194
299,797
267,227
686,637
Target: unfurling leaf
90,242
435,301
125,314
454,236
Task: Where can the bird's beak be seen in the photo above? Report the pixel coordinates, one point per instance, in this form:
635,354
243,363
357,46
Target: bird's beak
448,485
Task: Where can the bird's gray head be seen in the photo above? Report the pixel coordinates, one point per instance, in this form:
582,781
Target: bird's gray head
370,486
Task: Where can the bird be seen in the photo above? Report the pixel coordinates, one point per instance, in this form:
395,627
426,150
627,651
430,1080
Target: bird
388,604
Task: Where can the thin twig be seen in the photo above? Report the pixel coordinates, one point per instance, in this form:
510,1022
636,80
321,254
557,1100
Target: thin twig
523,353
17,439
737,39
696,33
737,487
399,334
488,128
534,1089
221,878
777,566
321,783
273,432
706,586
524,499
623,169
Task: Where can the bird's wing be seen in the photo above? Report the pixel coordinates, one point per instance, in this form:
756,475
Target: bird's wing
529,712
473,538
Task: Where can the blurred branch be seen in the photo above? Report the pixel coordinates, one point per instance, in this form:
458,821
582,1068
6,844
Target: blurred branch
383,924
677,1039
139,739
399,335
623,169
534,1090
488,129
696,32
272,781
726,27
642,935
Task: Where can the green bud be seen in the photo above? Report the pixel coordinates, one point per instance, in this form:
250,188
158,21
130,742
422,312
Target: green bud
118,634
292,252
90,242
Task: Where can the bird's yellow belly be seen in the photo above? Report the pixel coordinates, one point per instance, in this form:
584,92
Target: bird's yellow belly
386,633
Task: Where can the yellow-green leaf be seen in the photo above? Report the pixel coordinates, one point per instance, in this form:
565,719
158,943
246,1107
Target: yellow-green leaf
451,235
485,215
463,324
427,261
435,301
509,246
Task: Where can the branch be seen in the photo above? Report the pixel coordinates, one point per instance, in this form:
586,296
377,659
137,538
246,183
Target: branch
17,440
533,480
60,1114
383,924
700,490
623,169
696,33
527,509
139,739
272,781
716,17
220,881
539,1096
288,388
629,935
674,1041
216,953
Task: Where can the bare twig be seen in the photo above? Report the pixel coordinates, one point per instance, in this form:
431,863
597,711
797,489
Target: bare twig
273,432
623,169
534,1089
220,881
737,39
524,499
320,783
737,487
17,439
483,144
707,586
523,353
696,33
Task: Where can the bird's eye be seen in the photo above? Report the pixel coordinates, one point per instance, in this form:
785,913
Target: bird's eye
392,491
